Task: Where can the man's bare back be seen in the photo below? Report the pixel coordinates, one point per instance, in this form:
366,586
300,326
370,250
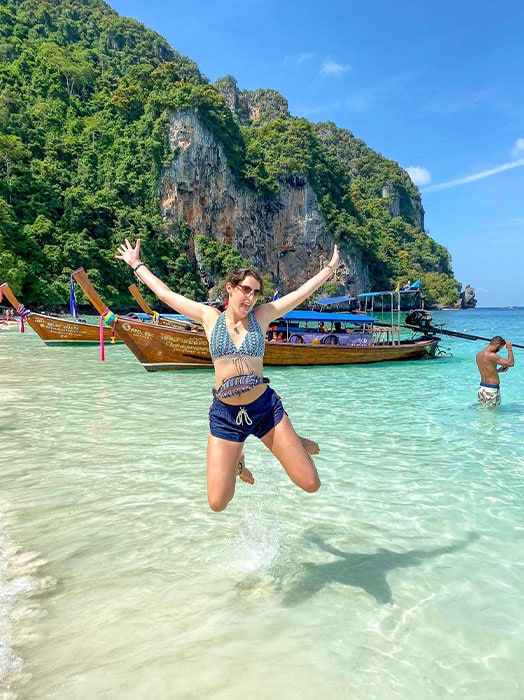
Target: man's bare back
488,359
490,363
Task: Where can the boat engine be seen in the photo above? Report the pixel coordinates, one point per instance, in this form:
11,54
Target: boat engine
419,317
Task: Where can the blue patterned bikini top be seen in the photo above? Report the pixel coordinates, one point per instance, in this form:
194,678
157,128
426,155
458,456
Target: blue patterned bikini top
221,345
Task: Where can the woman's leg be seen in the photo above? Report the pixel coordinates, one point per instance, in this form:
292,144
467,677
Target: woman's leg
289,449
223,459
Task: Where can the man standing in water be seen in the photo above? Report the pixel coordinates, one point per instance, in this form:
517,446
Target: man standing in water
487,361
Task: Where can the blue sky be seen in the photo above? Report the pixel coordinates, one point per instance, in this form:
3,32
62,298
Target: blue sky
435,86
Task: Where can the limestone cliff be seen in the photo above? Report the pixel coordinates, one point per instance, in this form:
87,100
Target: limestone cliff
286,237
257,107
251,107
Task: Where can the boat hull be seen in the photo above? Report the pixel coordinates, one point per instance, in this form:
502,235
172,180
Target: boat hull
60,331
161,348
303,355
54,330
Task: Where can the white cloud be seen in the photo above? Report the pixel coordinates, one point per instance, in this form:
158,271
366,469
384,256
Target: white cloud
294,60
518,148
420,176
477,176
331,68
305,57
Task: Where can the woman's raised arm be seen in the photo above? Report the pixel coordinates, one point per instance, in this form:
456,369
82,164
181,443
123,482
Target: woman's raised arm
188,307
274,309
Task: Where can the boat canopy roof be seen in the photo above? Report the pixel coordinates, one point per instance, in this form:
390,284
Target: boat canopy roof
177,317
368,295
415,287
293,316
333,300
326,316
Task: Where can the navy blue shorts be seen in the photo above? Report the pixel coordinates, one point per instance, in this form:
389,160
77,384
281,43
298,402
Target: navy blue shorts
235,423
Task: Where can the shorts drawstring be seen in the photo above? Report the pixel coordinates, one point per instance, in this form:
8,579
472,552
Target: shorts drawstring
243,415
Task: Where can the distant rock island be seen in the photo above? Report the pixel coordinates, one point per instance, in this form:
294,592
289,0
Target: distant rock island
467,298
467,301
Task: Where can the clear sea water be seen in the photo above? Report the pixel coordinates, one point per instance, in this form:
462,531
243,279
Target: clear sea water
401,579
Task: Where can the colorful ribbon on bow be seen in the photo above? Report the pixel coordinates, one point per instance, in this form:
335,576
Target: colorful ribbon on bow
107,318
23,313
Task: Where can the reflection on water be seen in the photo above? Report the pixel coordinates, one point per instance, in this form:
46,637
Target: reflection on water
399,579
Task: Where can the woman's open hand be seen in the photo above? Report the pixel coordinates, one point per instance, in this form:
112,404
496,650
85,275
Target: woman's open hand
335,258
128,253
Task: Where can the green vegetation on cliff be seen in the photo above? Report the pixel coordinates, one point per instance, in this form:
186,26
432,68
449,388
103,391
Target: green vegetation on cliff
85,101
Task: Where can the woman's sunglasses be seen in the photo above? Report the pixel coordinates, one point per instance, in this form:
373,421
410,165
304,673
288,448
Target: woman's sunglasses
248,291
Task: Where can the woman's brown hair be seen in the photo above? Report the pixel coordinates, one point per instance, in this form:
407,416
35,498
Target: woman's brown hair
238,276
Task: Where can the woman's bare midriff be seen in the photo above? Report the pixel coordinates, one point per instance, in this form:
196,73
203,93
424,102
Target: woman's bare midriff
225,369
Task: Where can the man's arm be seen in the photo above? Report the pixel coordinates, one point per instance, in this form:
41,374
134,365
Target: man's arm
508,361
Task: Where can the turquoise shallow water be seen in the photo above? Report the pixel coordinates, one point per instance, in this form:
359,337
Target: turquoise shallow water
401,578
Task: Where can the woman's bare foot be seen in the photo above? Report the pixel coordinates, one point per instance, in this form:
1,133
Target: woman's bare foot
310,446
243,471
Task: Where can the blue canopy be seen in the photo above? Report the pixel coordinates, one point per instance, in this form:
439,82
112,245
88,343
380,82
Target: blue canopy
326,316
377,294
333,300
178,317
415,287
293,316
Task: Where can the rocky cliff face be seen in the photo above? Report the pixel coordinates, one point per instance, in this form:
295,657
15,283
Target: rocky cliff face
286,237
252,106
400,203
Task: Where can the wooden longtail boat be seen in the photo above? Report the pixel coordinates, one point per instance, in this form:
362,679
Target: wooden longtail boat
54,330
163,348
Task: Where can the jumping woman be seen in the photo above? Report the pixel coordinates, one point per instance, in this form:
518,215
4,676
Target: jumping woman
243,403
